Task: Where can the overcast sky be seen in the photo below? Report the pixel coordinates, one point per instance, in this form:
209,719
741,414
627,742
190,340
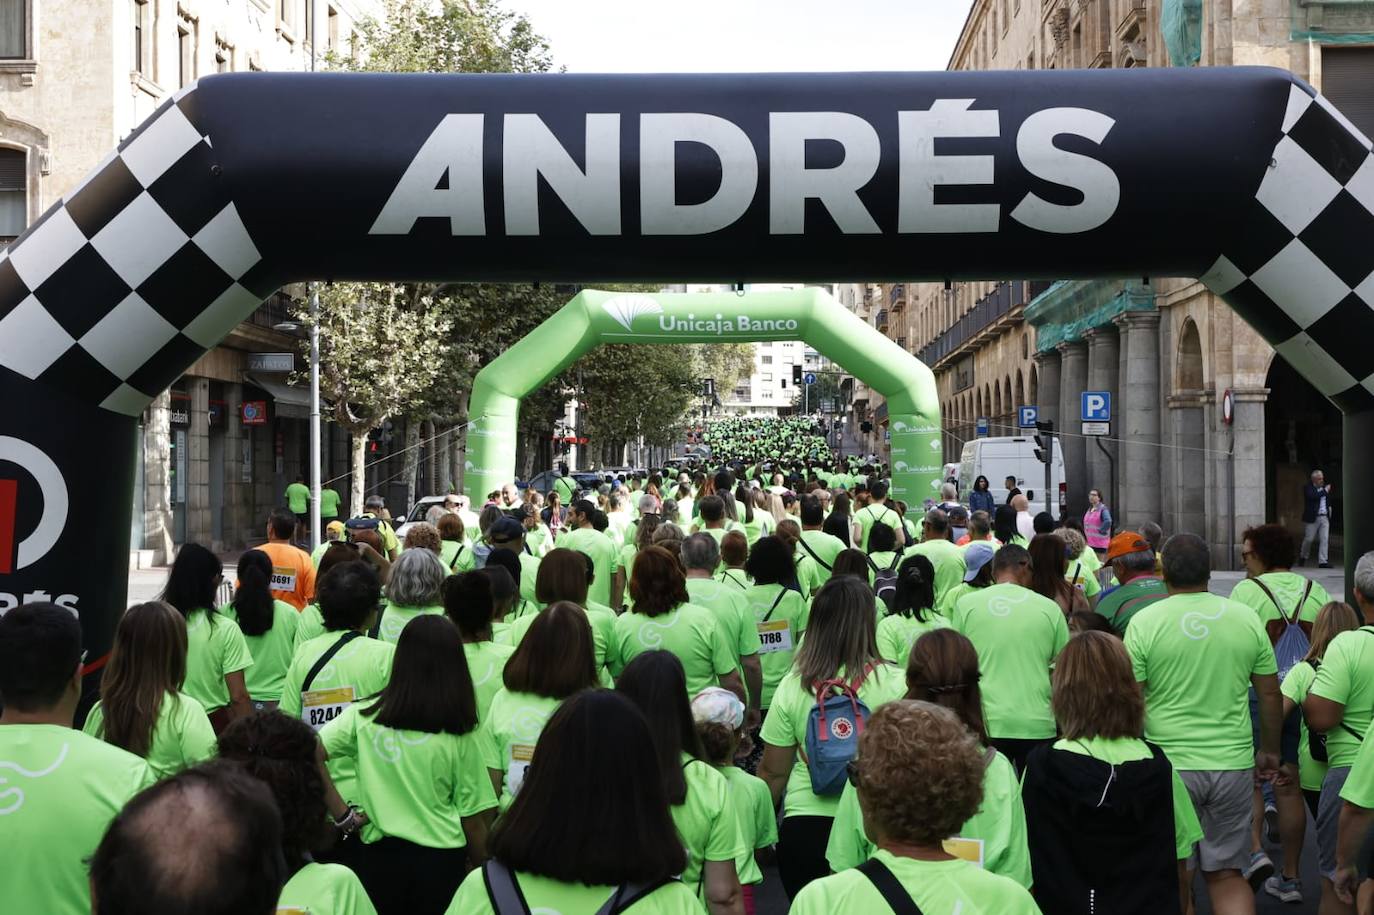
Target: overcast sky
664,36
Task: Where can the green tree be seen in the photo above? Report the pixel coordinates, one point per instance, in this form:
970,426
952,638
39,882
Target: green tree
381,348
826,389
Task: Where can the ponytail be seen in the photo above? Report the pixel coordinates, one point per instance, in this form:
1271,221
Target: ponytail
915,588
253,601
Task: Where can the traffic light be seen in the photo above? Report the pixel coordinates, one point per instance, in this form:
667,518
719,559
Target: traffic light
1044,436
796,374
865,426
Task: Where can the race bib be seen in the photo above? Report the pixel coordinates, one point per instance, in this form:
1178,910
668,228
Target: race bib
283,579
321,706
517,762
970,850
775,635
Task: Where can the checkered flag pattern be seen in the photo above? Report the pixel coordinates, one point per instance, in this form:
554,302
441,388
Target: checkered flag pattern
1303,275
127,280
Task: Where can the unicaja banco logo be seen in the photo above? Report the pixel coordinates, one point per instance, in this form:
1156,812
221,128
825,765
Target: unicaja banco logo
625,308
17,554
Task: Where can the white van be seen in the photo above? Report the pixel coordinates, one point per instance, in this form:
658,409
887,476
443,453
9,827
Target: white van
1011,456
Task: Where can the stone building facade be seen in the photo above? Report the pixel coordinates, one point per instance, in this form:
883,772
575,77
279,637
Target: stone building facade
1165,347
76,77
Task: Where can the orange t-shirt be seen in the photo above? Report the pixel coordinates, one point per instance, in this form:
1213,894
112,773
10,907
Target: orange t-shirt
293,574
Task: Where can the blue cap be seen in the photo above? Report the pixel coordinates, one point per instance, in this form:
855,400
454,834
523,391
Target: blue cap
976,555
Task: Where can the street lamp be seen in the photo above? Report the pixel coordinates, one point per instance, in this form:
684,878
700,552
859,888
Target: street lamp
292,327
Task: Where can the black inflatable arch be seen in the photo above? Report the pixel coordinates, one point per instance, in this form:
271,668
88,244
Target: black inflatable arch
1243,177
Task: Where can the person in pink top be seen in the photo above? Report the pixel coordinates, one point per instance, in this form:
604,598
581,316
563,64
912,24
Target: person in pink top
1097,522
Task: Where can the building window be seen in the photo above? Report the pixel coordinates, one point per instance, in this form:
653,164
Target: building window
766,394
14,202
143,34
766,377
332,30
224,57
308,25
14,29
901,341
766,360
186,54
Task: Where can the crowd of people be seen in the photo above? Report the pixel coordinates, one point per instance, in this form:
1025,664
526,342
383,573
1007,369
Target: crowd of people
764,439
659,695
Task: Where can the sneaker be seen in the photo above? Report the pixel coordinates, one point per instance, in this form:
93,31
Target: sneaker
1284,889
1258,870
1323,565
1271,823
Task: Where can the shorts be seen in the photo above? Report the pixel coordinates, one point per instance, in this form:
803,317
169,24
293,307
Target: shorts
302,520
1290,735
1223,801
1329,818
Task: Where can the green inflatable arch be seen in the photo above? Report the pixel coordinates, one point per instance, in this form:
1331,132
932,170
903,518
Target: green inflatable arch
810,315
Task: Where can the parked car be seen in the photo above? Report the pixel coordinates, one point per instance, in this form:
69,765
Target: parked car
544,480
417,513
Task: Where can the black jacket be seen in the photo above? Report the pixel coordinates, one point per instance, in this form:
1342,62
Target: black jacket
1312,499
1101,837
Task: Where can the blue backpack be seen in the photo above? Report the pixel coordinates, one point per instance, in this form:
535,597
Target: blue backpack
832,733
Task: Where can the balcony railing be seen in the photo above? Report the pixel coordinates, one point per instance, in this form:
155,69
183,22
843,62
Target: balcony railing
896,297
880,319
988,310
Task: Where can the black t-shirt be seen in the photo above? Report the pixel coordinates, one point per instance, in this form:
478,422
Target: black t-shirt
1012,494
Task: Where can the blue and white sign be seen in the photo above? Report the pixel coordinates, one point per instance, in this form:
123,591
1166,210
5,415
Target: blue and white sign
1026,417
1097,407
809,378
982,427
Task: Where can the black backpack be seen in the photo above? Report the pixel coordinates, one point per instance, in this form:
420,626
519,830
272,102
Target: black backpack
885,580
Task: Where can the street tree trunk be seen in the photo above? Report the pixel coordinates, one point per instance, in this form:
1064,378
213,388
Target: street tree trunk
358,480
412,460
432,458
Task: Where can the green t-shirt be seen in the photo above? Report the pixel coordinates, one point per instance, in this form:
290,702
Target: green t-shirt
869,514
1288,588
706,820
329,504
1079,575
1359,785
1295,687
486,665
780,617
590,542
736,577
565,487
1187,829
357,671
897,633
60,790
182,736
948,561
1124,602
997,831
271,651
318,552
810,574
758,824
826,548
508,734
552,897
945,605
325,889
1018,634
529,574
310,624
414,785
733,616
935,886
688,631
1344,678
394,620
298,498
1195,655
761,526
215,648
785,727
456,556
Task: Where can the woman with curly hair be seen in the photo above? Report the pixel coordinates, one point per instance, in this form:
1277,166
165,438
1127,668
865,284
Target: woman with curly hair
919,777
943,669
280,751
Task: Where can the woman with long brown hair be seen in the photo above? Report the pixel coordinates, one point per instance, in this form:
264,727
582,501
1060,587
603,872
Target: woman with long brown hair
943,669
566,575
142,708
1100,793
1048,568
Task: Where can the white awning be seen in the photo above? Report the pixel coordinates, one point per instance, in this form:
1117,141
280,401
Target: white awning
291,402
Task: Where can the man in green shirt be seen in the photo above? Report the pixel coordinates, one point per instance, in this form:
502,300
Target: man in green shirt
936,546
1341,704
565,486
1017,634
329,504
59,788
877,509
376,508
734,618
583,536
298,501
1133,563
815,542
1196,655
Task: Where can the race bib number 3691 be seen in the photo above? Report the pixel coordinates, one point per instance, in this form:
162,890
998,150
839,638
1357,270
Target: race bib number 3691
283,579
321,706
